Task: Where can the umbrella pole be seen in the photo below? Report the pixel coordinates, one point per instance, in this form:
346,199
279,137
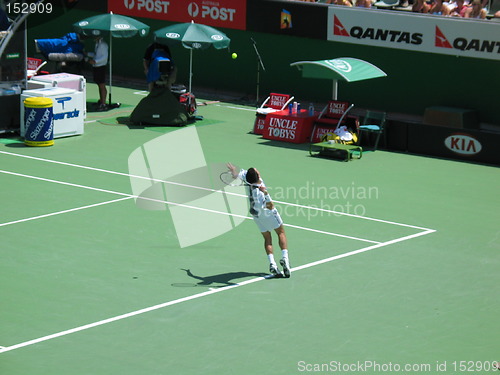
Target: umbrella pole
110,65
335,89
190,67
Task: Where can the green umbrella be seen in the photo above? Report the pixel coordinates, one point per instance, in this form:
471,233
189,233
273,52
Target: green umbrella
192,36
343,68
114,26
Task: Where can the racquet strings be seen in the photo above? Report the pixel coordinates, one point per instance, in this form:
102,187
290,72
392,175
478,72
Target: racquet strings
228,179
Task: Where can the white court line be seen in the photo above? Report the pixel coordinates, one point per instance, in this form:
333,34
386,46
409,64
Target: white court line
233,107
203,294
145,93
63,212
329,233
128,196
352,215
212,190
65,183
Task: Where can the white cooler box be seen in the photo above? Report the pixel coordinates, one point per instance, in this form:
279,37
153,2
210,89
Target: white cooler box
69,110
35,85
64,80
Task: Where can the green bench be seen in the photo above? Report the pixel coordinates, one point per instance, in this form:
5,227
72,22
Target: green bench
324,147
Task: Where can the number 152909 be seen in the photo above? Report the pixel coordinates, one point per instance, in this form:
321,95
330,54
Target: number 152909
24,8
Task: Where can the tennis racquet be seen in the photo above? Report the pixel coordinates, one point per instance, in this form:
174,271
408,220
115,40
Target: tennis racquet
228,179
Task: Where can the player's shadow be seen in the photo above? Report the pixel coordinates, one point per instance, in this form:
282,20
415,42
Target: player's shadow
222,279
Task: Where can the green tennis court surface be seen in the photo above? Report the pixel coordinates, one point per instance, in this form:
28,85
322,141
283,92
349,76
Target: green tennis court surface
395,261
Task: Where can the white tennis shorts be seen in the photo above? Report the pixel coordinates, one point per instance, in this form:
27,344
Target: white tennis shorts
268,220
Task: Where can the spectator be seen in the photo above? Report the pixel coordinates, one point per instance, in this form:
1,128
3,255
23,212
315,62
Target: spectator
476,10
364,3
458,8
340,2
420,6
440,9
99,60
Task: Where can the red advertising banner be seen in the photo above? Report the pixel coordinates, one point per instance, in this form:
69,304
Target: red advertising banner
289,127
216,13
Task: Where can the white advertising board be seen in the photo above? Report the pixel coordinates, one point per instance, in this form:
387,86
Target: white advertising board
415,32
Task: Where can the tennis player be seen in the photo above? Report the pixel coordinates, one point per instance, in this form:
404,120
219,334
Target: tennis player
266,216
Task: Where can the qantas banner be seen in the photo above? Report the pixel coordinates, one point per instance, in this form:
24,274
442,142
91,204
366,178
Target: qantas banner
216,13
415,32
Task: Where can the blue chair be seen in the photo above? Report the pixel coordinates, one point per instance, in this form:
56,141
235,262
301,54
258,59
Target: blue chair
373,123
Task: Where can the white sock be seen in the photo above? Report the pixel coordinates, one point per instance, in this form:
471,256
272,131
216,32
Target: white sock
284,253
271,259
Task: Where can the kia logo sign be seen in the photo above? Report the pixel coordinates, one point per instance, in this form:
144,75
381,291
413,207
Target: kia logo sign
121,26
463,144
173,35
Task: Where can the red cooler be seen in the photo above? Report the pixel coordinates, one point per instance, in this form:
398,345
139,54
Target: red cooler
289,127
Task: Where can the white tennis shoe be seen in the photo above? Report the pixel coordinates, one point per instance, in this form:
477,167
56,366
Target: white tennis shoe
274,270
286,267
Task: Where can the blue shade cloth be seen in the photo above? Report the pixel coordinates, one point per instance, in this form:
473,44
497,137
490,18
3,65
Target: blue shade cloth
70,43
154,67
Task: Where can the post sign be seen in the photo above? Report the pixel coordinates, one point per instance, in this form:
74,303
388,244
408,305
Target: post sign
216,13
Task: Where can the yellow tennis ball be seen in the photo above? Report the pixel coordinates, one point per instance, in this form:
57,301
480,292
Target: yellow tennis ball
234,55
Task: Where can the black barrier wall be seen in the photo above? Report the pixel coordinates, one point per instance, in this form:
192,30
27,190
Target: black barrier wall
461,144
307,20
415,80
